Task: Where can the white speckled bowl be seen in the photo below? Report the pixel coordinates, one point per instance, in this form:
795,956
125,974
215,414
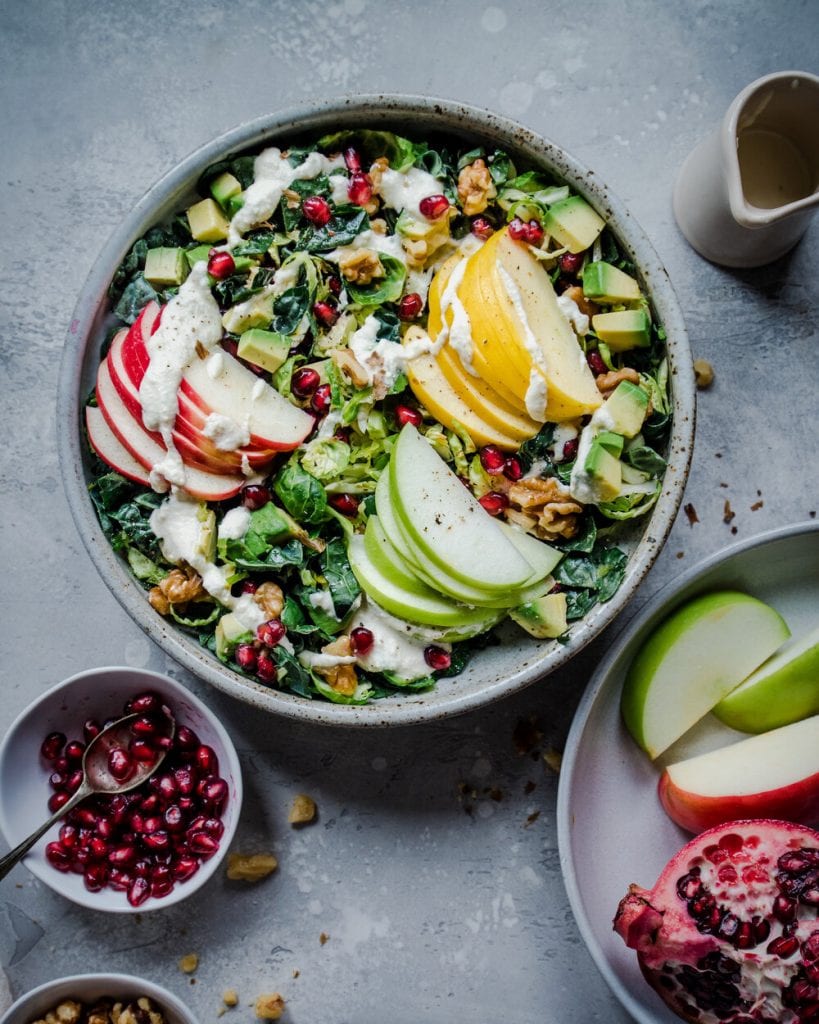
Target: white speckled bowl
24,788
87,988
496,671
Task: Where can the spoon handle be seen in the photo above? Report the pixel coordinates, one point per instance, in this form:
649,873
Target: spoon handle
17,854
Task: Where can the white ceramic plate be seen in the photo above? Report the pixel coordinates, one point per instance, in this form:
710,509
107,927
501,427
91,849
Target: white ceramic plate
611,828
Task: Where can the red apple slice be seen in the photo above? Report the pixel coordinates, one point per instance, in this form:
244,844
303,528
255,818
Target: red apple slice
773,775
106,445
209,486
193,443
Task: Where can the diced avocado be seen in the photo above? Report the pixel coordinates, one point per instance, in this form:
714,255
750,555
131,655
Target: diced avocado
573,223
225,187
603,472
267,349
544,618
234,204
194,256
206,545
207,222
257,311
623,329
611,442
165,267
626,408
603,282
229,633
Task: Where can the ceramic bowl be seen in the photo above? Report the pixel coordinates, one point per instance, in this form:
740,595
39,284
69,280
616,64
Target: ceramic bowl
24,775
87,989
498,670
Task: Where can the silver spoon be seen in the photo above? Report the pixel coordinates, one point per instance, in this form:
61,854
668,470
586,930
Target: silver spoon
96,778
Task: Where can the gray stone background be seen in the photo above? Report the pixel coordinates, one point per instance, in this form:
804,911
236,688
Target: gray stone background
434,914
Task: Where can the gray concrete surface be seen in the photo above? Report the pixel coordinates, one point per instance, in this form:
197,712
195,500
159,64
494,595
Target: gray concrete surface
434,914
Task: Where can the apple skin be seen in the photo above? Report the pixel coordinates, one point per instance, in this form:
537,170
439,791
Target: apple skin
773,775
105,443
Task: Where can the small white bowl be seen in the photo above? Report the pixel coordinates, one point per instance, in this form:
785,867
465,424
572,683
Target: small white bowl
24,787
87,988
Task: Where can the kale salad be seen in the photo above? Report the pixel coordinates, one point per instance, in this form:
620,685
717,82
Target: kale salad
368,398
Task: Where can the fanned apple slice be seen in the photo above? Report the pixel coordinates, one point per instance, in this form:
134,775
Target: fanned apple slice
106,444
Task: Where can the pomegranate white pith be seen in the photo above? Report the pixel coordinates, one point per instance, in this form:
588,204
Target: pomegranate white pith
730,931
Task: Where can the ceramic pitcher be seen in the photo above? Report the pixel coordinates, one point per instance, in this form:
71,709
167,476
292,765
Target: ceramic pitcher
745,195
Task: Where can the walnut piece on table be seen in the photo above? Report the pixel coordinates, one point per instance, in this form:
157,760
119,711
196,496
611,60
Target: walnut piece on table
252,867
302,810
269,1006
189,963
703,374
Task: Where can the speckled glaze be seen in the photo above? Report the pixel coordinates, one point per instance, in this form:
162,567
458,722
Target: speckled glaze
497,671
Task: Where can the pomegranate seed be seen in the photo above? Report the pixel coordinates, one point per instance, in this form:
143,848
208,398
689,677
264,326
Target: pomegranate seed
534,233
270,633
570,449
206,760
406,414
346,504
433,207
57,780
325,313
105,828
492,459
185,780
158,841
334,284
174,818
437,658
266,668
518,229
142,868
86,817
74,781
145,704
143,751
57,856
481,228
255,496
512,468
151,824
361,640
165,785
570,262
139,892
320,403
186,738
74,751
220,264
161,888
52,746
119,880
352,159
203,844
144,725
246,657
316,210
494,502
68,837
596,364
410,306
57,800
150,804
184,867
360,188
185,803
98,848
91,729
215,792
60,764
214,827
304,382
120,764
121,856
248,587
137,822
163,742
231,346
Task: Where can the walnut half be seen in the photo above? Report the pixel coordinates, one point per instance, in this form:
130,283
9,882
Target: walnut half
362,266
475,187
548,504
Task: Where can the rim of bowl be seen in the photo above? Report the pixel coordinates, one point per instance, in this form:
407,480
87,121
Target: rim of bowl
154,991
376,110
652,613
232,767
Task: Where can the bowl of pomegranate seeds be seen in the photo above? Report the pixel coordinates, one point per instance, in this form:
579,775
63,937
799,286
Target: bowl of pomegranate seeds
98,999
332,355
141,849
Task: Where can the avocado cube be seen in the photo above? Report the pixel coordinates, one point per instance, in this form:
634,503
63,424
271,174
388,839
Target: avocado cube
626,408
229,633
604,473
207,222
165,267
234,204
623,329
612,442
267,349
196,255
257,311
225,187
603,282
544,618
573,223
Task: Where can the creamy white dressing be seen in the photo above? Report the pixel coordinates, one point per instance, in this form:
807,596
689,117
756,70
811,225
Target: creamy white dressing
563,432
404,190
537,396
418,281
323,600
235,523
316,659
390,245
580,484
215,365
392,650
258,390
578,321
339,184
382,360
458,332
529,340
226,434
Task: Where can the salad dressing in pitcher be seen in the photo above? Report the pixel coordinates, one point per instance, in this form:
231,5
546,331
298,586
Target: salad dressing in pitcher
772,168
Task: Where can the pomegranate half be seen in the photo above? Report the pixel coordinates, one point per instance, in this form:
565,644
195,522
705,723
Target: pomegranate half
730,930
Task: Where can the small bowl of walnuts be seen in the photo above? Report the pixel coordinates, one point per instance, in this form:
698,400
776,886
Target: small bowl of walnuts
141,850
98,999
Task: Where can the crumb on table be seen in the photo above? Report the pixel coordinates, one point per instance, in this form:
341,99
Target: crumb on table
189,963
244,867
269,1006
302,810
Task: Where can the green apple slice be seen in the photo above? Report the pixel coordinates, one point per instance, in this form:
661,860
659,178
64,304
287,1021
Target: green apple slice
447,523
694,659
783,690
384,556
422,604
